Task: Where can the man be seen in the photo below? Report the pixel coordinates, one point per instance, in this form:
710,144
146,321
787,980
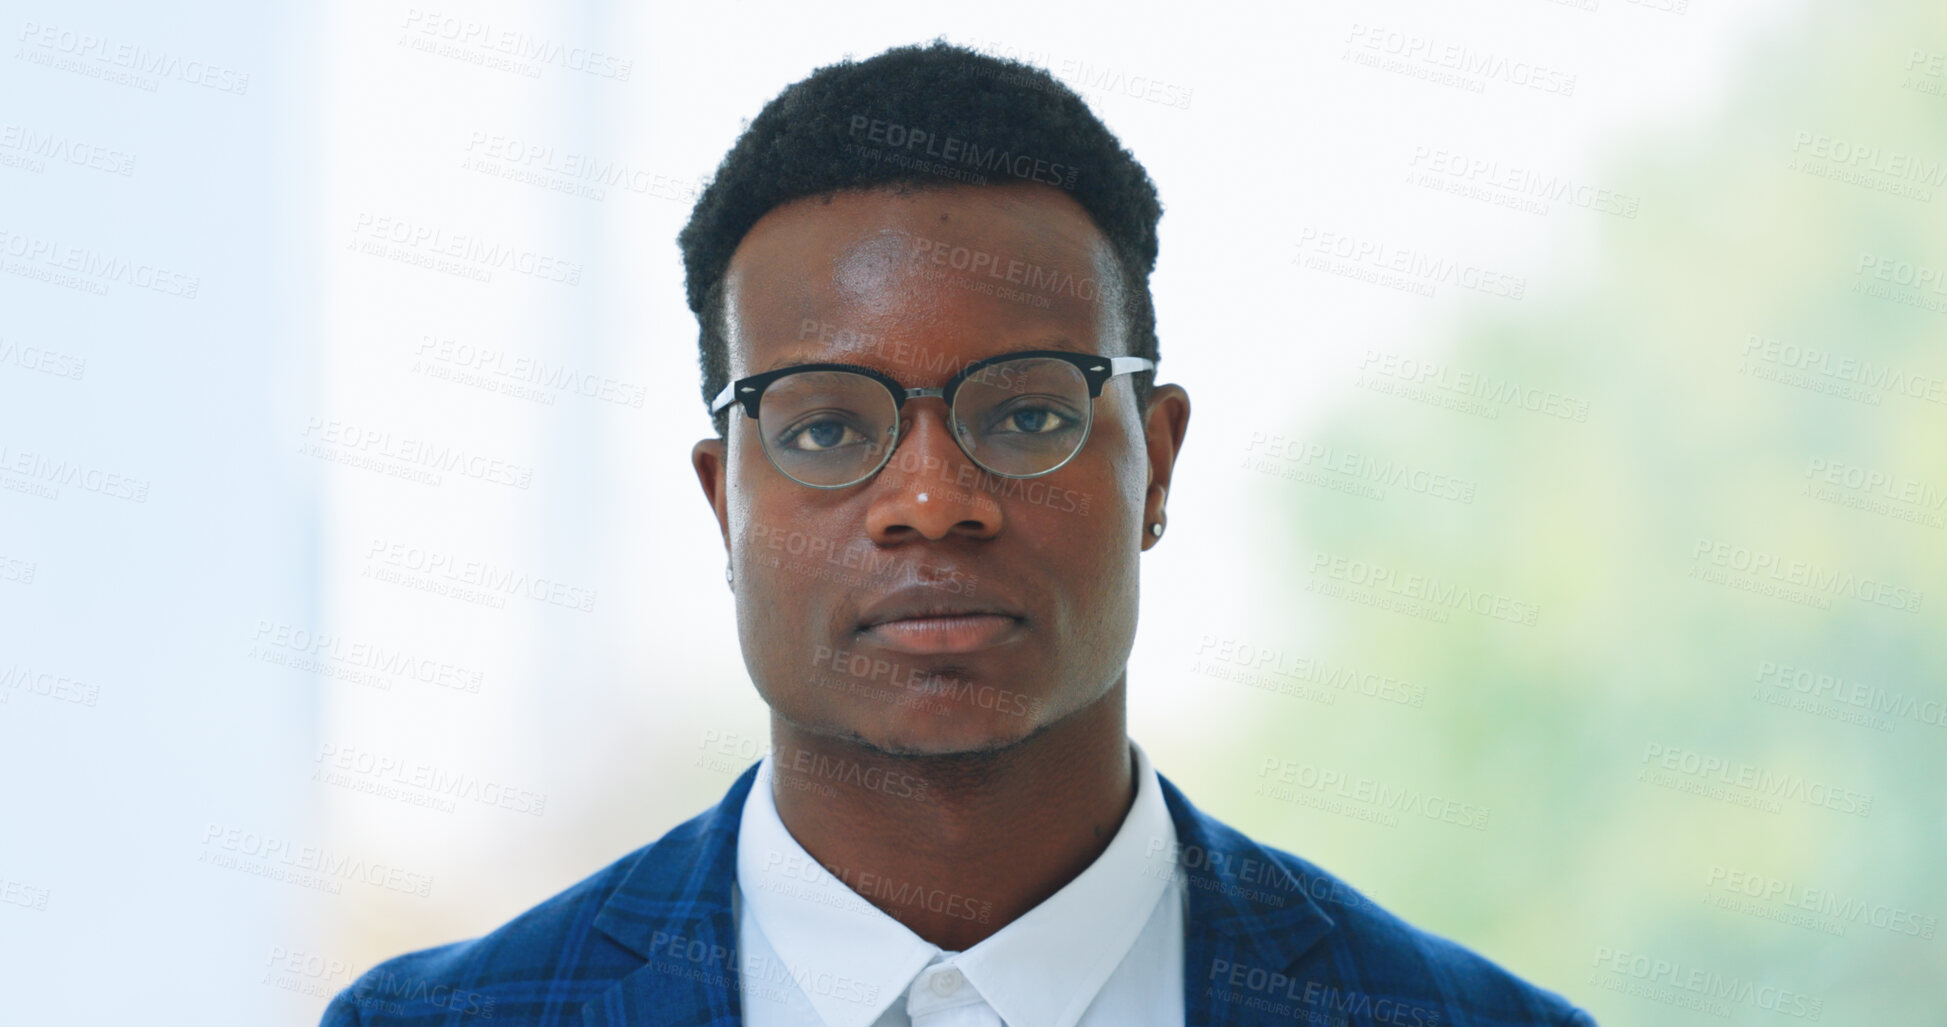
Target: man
928,348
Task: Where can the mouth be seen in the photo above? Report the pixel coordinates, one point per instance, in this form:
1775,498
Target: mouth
943,633
924,619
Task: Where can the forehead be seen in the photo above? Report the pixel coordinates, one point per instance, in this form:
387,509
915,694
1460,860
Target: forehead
918,283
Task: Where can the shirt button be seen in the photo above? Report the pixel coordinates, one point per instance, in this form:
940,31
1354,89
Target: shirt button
946,982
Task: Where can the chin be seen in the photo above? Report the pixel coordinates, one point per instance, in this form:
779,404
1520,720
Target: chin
929,745
934,727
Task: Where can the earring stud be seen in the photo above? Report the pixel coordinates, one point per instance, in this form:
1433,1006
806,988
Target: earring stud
1156,529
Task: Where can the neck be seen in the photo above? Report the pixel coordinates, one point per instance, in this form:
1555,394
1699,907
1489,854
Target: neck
984,837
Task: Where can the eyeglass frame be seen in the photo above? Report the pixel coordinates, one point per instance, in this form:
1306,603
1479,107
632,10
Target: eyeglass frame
1096,370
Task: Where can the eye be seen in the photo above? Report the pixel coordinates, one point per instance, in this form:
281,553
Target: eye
1030,419
821,434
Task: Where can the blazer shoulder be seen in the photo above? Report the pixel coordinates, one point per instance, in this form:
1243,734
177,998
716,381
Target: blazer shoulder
537,967
1373,952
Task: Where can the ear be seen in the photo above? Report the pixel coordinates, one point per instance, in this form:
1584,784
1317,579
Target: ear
1164,425
709,458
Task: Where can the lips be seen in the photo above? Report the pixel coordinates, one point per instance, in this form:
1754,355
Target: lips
922,621
928,601
964,633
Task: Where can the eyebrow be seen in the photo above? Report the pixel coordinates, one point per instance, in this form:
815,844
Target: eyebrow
1059,342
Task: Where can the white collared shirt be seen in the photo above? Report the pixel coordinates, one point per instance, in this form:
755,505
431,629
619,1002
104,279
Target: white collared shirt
1104,951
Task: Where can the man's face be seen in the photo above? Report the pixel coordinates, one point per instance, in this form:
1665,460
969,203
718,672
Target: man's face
1039,575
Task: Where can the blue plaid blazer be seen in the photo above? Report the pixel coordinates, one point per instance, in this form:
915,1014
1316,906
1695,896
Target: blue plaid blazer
650,940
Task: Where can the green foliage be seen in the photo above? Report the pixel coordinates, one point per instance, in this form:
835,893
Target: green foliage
1691,441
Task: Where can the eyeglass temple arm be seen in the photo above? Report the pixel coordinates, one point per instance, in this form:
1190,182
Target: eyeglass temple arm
1124,365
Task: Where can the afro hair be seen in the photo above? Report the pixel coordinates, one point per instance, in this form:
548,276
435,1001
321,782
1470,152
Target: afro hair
874,123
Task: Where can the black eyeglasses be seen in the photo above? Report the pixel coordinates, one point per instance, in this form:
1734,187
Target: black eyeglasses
1018,415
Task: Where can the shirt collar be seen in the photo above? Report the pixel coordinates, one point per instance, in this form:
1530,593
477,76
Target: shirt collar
1044,968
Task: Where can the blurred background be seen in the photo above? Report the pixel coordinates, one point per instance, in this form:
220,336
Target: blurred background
1570,579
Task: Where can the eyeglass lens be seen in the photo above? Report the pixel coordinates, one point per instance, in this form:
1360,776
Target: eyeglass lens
1015,417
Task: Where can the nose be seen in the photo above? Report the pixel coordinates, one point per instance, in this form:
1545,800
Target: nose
929,486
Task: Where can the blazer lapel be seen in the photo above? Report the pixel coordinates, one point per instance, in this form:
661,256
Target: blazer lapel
673,910
1248,913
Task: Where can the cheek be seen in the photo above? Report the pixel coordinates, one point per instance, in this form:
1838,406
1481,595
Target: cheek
1102,541
762,515
1125,474
765,540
